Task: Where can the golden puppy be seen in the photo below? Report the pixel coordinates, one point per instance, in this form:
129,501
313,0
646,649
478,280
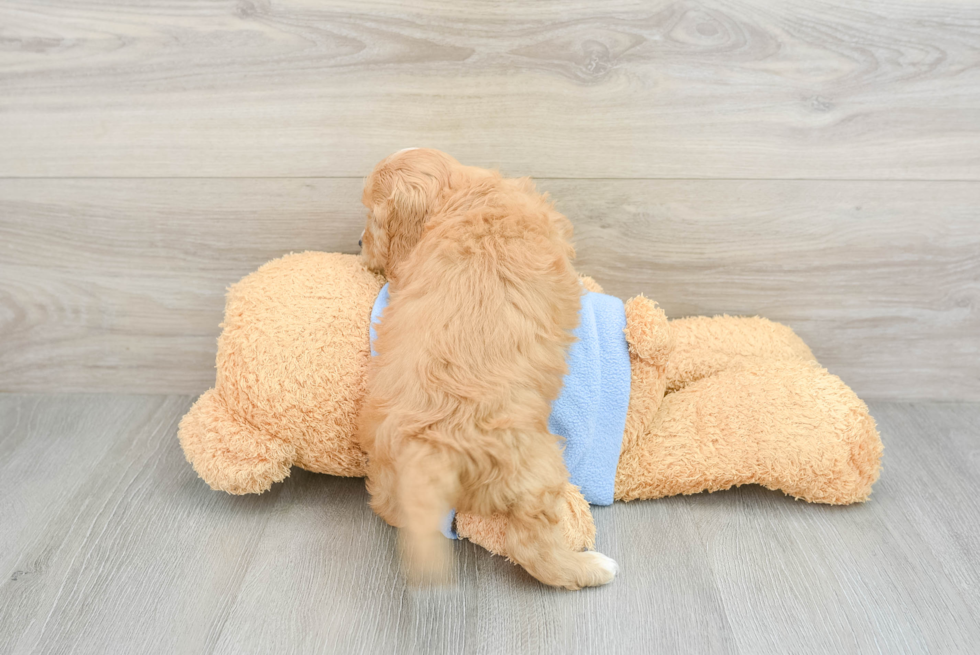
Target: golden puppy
471,352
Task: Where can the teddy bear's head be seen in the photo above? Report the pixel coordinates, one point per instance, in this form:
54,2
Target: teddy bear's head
290,370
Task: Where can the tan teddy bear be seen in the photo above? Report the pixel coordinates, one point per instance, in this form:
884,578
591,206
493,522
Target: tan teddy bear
714,402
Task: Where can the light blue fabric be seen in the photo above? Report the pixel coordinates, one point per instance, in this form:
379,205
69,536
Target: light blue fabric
590,412
446,527
379,306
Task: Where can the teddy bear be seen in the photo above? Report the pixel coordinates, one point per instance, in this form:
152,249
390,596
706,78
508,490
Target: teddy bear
713,402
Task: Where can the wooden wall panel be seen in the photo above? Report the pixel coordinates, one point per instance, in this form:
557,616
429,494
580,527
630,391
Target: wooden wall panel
882,279
117,285
625,89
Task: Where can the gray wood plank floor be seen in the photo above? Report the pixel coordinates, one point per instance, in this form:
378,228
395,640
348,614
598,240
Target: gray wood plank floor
109,543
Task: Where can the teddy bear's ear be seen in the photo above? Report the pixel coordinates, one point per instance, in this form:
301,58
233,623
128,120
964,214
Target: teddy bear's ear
590,284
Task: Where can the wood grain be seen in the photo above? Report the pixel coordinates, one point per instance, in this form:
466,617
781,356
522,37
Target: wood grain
86,484
118,285
109,543
882,280
626,89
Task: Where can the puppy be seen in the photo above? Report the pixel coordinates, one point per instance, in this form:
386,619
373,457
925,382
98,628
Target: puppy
471,352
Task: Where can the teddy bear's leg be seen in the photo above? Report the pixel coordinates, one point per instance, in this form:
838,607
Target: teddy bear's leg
790,426
229,453
705,345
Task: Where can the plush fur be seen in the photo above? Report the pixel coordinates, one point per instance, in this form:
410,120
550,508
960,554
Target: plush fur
471,352
714,402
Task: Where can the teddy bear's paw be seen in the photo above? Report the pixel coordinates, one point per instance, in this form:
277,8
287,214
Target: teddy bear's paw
228,452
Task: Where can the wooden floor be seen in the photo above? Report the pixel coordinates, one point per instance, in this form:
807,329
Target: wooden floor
109,543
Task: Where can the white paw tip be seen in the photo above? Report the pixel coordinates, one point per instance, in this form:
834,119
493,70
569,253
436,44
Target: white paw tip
607,563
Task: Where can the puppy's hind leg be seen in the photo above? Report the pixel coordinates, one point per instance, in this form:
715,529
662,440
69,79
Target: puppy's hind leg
535,541
427,488
382,483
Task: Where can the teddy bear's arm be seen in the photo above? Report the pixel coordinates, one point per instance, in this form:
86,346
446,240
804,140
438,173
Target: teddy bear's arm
590,284
228,452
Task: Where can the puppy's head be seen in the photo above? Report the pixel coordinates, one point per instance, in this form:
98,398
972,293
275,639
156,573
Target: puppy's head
399,195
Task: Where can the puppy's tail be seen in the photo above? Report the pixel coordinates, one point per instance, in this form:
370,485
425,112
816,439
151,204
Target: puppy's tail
427,487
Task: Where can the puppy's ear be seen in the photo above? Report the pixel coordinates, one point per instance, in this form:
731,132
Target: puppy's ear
403,220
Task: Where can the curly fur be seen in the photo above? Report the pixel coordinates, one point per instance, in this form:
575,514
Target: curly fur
471,352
